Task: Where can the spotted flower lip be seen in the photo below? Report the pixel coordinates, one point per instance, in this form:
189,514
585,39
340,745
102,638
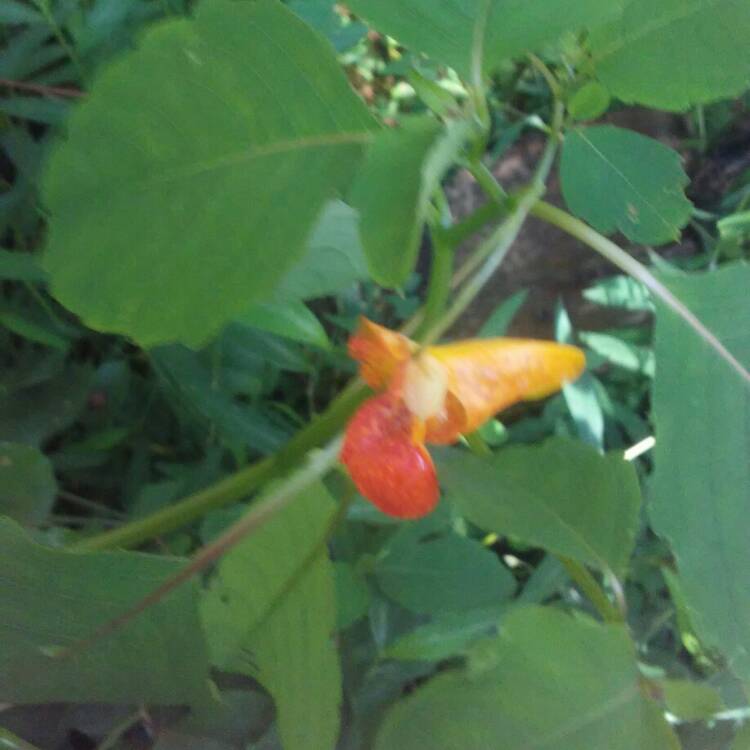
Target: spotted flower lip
434,395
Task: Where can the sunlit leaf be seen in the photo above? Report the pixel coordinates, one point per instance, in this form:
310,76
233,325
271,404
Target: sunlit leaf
177,210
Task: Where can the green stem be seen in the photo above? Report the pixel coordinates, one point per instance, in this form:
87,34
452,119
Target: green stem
475,221
439,288
477,445
236,486
591,589
265,508
616,255
486,180
10,741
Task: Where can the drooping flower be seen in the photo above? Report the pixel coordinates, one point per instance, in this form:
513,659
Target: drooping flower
434,395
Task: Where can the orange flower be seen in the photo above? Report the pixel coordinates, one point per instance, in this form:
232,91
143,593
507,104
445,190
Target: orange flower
434,395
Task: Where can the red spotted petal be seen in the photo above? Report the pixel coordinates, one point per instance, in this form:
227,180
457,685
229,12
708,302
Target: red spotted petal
387,465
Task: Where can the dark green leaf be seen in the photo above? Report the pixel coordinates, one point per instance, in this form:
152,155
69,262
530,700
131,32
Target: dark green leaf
392,192
701,409
450,574
270,613
447,30
549,681
52,599
675,53
175,205
619,180
14,11
27,483
561,495
17,266
30,415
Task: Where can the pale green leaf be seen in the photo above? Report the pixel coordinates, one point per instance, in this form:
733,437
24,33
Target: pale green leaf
448,574
561,495
392,192
549,681
14,11
452,31
333,260
52,599
675,53
172,195
619,180
690,701
701,410
27,483
620,291
589,101
270,612
742,738
620,353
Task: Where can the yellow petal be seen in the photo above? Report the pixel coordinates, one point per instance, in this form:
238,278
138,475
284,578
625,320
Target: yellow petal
379,352
488,375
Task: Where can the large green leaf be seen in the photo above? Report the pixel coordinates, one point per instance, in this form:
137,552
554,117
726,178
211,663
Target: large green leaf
618,180
549,681
27,483
447,574
452,31
702,480
393,190
271,613
674,53
194,172
561,495
51,599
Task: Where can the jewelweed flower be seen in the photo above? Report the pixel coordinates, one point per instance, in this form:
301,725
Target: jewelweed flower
434,395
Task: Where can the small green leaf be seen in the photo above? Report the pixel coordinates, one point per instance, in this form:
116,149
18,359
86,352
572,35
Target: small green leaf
270,613
589,101
620,353
549,681
618,180
51,599
675,53
561,495
27,483
392,192
292,320
497,324
447,635
14,11
448,574
33,331
620,291
690,701
176,209
701,410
